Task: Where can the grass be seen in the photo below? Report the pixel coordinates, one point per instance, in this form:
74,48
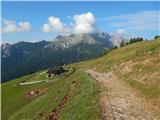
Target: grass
83,104
136,53
45,103
15,106
13,95
146,90
116,57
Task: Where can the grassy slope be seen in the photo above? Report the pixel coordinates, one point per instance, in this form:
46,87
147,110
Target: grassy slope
15,106
143,73
84,102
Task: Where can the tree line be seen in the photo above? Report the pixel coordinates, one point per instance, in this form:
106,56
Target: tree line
134,40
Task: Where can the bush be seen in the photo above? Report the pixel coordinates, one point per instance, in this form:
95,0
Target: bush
133,40
156,36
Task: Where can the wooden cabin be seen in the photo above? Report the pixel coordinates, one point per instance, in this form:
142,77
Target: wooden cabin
57,70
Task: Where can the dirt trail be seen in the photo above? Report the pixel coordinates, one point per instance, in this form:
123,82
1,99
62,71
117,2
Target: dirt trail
119,102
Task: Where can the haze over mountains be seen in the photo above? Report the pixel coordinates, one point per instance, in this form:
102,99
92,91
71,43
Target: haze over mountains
25,57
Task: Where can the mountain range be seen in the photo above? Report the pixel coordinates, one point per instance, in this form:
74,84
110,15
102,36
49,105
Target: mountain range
128,77
26,57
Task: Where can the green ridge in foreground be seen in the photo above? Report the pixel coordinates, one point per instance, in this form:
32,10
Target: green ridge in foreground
16,106
141,58
137,64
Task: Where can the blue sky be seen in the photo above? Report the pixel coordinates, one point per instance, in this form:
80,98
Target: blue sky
24,21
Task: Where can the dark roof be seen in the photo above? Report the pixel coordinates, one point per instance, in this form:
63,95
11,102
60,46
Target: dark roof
56,70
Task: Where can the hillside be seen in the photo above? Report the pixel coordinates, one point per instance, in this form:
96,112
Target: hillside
125,79
26,57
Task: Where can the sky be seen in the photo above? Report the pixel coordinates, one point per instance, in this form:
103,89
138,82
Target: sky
35,21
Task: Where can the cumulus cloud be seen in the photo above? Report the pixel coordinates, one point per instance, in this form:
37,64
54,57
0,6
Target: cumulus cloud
10,26
84,23
81,23
55,25
24,26
47,28
121,31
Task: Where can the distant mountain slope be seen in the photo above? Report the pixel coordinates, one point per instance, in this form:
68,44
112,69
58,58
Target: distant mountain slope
24,57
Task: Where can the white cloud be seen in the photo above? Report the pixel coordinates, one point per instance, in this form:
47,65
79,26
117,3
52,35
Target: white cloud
121,31
54,25
140,21
81,23
10,26
47,28
24,26
84,23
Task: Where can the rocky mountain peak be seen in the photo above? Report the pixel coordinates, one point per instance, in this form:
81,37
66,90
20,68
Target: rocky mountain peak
64,41
5,49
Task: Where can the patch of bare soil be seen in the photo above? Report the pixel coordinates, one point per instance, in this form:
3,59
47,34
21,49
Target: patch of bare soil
119,102
36,92
54,113
149,61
